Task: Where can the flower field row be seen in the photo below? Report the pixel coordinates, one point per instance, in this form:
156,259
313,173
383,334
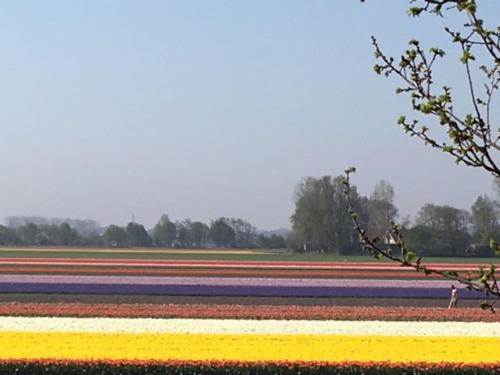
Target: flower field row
248,312
233,281
379,266
246,348
214,272
236,290
43,367
249,327
219,336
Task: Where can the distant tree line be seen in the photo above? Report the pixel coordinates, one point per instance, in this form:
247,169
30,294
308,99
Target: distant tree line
321,222
222,232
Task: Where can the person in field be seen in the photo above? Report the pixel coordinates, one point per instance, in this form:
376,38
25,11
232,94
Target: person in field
454,297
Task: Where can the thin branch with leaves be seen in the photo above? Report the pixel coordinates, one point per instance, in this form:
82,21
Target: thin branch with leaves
486,282
472,139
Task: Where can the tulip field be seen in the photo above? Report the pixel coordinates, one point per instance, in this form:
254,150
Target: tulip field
117,314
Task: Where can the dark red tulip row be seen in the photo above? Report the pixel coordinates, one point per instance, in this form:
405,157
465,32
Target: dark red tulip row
248,312
35,367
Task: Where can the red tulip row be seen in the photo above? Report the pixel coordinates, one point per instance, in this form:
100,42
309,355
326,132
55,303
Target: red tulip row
246,264
215,272
222,311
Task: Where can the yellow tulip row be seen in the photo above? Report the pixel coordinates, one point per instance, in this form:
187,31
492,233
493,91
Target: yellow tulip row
246,348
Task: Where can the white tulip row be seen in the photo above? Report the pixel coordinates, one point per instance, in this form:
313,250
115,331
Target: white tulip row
248,326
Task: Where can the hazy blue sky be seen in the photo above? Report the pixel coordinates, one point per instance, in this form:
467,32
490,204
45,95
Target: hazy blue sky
214,108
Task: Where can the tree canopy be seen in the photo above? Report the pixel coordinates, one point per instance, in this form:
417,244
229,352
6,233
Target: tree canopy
320,221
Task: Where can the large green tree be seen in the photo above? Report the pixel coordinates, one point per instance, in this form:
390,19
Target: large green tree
447,228
222,233
67,236
381,210
320,221
137,235
199,233
485,220
27,233
115,236
443,218
8,236
245,234
165,232
184,233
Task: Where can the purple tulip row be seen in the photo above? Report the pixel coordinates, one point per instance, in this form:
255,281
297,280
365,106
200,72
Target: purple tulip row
232,281
236,290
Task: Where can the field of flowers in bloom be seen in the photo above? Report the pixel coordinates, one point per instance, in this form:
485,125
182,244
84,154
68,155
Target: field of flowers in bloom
129,315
